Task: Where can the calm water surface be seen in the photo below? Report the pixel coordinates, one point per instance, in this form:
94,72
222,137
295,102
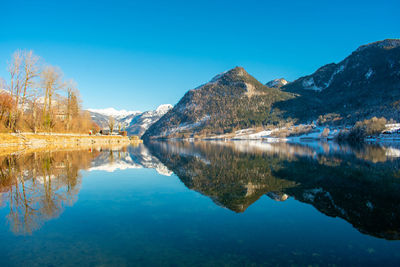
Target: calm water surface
202,203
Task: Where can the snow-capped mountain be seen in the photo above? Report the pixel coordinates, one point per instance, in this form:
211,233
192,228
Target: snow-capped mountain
112,112
135,122
277,83
142,122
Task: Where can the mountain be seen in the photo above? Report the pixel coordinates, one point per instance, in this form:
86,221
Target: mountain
102,116
231,100
364,84
135,122
277,83
143,121
112,112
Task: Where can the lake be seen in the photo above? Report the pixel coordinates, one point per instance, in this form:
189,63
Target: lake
202,203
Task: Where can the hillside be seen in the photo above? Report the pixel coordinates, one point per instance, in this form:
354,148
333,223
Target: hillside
364,84
231,100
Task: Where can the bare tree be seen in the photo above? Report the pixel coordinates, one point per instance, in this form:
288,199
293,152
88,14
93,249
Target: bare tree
14,69
30,71
51,78
31,94
72,103
33,118
111,124
3,84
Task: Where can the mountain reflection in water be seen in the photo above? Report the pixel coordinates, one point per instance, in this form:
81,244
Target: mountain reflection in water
358,184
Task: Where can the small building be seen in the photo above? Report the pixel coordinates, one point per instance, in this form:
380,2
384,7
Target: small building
105,132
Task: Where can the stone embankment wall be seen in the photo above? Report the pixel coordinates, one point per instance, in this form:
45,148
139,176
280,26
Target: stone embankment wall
59,140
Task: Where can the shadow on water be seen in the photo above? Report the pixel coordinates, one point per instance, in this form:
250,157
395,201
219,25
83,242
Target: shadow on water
359,184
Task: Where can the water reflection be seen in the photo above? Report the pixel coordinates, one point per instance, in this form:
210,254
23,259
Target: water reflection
36,187
360,185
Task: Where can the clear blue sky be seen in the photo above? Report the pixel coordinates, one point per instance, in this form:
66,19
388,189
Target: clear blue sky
139,54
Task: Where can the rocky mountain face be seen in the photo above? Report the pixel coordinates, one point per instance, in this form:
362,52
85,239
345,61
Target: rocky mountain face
231,100
277,83
134,122
364,84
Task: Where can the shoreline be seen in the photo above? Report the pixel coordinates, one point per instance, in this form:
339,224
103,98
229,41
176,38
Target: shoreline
14,142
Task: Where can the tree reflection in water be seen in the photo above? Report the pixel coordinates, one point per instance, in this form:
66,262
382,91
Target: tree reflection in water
38,186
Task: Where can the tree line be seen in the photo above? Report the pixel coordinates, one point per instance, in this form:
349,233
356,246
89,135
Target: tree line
37,98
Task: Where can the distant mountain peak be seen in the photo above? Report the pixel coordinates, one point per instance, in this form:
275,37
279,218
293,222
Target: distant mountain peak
277,83
112,112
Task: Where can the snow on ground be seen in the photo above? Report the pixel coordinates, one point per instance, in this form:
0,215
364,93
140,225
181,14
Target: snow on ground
248,134
392,152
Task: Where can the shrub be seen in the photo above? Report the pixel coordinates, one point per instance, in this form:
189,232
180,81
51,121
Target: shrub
362,129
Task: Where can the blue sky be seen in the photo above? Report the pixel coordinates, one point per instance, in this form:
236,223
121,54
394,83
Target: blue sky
138,54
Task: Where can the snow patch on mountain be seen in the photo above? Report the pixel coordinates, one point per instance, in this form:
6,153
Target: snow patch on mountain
310,84
163,108
276,83
369,73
